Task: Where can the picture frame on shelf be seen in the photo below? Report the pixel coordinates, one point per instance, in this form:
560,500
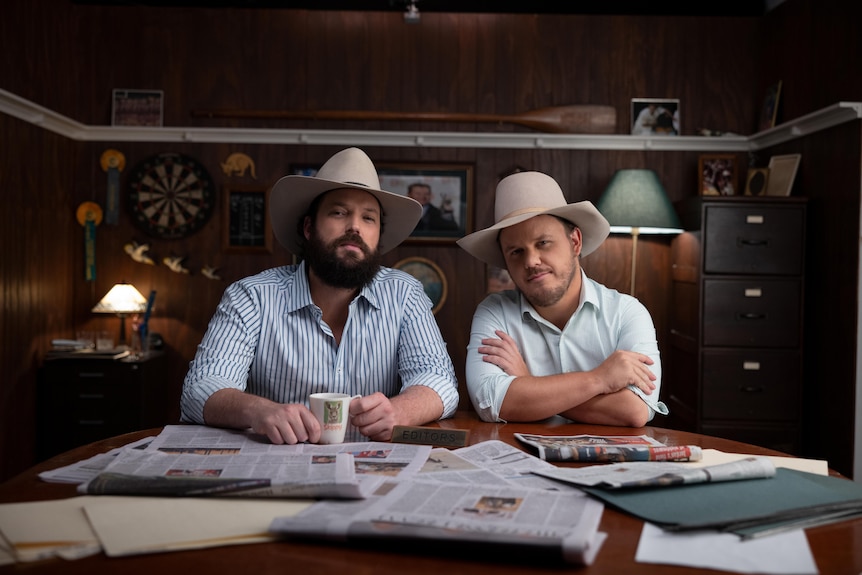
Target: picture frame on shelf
137,107
718,174
782,174
755,181
655,117
431,277
246,227
769,110
444,190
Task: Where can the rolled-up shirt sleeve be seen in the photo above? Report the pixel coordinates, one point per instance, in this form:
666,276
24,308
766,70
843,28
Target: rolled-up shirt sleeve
225,354
487,383
422,355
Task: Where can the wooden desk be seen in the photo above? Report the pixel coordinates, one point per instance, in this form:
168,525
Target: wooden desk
837,548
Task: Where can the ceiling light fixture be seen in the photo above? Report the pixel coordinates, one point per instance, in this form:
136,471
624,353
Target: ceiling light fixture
411,13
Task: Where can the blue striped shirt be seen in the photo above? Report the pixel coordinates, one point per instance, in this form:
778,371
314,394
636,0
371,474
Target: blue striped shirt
267,337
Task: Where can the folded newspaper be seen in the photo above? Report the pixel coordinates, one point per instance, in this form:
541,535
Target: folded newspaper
514,523
605,448
199,461
659,474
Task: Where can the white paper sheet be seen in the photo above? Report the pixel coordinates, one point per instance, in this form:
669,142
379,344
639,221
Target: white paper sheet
781,554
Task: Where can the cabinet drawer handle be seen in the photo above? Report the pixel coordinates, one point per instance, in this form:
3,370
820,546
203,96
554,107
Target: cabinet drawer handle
91,422
91,396
750,389
751,365
752,243
752,316
91,374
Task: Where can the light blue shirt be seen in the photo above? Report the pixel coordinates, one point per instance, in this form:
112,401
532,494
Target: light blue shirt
267,337
604,322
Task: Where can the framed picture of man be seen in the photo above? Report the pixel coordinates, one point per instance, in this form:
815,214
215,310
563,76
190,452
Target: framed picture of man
655,117
445,192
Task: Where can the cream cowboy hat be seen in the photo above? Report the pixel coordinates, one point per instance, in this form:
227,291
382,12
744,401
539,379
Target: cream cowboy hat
526,195
350,168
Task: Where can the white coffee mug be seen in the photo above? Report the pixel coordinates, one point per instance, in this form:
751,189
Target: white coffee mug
332,411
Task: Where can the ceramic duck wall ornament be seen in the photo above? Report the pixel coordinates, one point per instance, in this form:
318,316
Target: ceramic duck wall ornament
175,264
138,252
209,272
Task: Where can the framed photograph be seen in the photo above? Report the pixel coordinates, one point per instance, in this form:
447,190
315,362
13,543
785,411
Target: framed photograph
718,174
655,117
782,173
431,277
769,111
246,226
755,181
137,108
445,192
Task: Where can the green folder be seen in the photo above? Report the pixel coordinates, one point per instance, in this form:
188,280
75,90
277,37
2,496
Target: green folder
746,507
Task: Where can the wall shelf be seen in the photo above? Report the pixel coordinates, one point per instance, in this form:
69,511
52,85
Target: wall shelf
48,119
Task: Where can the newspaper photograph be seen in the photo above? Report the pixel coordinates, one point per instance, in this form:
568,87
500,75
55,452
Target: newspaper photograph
558,525
658,474
196,461
607,448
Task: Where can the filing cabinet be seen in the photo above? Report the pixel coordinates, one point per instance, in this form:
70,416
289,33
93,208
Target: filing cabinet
83,399
734,364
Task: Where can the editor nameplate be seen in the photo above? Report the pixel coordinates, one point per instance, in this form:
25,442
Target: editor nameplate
430,436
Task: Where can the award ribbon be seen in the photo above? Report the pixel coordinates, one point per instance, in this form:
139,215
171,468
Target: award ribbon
113,162
89,215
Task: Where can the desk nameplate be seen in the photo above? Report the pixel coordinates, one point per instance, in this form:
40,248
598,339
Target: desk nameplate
430,436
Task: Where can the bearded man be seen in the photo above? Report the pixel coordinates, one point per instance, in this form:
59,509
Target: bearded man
336,322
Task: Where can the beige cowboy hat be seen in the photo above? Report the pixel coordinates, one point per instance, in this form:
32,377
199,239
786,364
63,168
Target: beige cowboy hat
350,168
526,195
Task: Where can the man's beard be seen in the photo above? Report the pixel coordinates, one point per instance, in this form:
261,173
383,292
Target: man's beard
348,272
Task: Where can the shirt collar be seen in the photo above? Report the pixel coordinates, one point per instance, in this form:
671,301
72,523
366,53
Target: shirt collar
589,295
299,292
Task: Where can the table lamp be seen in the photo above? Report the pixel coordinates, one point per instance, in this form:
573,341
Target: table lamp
122,300
635,203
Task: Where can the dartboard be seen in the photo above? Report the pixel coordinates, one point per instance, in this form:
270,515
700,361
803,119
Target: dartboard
171,196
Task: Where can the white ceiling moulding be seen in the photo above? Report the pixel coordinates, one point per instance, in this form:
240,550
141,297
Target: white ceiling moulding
48,119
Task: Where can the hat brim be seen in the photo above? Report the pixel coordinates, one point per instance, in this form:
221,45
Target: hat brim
483,245
292,195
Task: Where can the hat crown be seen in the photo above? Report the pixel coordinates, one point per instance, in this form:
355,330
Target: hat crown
527,192
352,167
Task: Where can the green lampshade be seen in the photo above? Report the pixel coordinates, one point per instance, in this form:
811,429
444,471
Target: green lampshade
636,200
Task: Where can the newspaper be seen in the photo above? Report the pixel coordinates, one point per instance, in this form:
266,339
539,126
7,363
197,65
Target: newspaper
196,461
659,474
511,520
605,448
488,462
87,469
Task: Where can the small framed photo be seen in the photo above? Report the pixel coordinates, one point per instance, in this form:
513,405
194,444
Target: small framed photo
655,117
445,192
137,108
246,226
718,174
782,173
430,276
755,181
769,111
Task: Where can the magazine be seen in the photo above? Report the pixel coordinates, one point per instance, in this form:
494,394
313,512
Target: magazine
659,474
606,448
199,461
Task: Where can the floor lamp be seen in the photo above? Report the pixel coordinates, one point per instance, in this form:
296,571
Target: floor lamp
635,203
